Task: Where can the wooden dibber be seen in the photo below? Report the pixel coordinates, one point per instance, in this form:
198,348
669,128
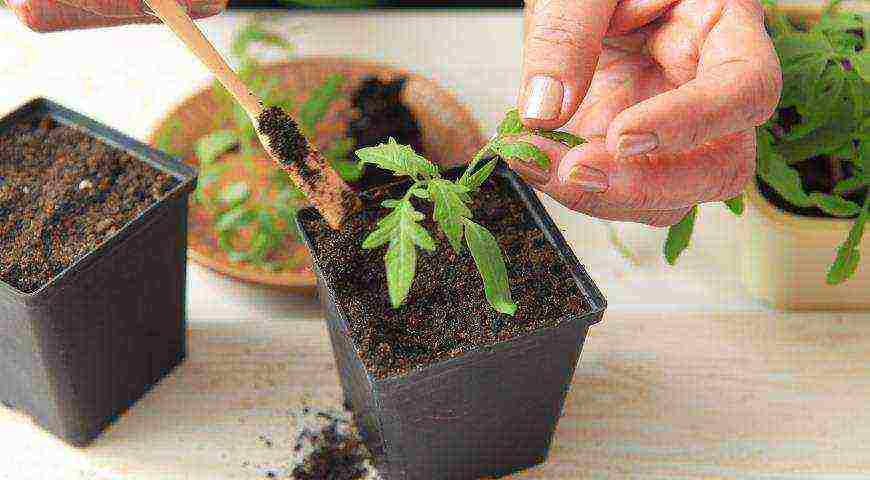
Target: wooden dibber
276,130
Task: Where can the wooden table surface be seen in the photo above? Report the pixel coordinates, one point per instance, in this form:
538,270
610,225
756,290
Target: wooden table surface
687,377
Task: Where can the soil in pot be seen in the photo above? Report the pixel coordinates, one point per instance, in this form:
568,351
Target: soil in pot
379,113
62,194
446,313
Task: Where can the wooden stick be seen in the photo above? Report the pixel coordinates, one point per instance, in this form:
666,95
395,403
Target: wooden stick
325,189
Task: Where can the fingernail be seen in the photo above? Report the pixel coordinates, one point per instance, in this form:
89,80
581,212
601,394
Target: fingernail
543,98
633,144
588,178
531,172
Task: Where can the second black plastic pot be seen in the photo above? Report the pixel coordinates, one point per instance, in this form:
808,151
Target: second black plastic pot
80,350
487,413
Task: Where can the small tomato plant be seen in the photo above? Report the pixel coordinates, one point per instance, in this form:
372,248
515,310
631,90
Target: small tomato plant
401,229
826,82
268,214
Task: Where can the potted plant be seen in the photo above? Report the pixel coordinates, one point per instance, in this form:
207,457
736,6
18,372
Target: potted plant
93,271
805,215
242,215
456,350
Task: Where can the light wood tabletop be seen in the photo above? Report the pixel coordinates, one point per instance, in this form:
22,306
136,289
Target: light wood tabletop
687,377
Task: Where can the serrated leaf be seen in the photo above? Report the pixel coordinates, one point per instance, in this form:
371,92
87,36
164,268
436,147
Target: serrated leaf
848,254
845,265
850,185
821,141
403,231
795,46
736,205
255,33
476,179
210,147
234,218
512,124
773,169
400,159
490,263
523,151
834,205
450,209
568,139
235,194
838,22
312,111
679,236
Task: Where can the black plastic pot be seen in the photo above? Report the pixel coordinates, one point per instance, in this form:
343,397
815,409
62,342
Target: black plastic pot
488,413
80,350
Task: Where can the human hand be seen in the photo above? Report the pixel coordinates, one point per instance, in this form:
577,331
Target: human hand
667,92
54,15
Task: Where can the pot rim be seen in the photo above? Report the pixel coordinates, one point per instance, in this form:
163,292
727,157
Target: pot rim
186,176
785,220
590,291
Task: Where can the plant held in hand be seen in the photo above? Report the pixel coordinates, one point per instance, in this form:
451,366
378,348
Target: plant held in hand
401,229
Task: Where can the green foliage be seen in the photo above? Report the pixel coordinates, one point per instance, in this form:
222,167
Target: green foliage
401,227
268,213
679,236
402,230
826,79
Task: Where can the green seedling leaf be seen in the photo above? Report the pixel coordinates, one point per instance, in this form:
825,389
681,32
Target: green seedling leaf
400,159
233,219
848,254
235,194
402,230
450,209
773,169
835,206
679,237
523,151
476,179
512,124
210,147
568,139
490,263
255,33
736,205
312,111
850,185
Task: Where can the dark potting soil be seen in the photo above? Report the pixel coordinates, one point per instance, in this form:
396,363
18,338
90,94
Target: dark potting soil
329,448
378,113
446,313
286,141
62,194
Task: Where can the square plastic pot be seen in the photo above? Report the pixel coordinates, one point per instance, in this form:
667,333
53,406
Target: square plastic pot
84,347
488,413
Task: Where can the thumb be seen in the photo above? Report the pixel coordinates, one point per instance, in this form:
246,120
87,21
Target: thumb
563,41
